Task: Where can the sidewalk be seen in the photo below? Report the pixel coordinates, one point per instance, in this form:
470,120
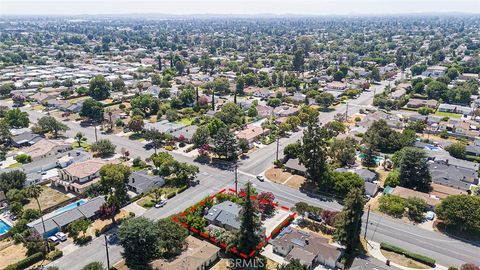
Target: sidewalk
374,251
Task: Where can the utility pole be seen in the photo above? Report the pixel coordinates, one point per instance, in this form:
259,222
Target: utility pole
106,249
346,113
366,224
278,143
96,137
236,178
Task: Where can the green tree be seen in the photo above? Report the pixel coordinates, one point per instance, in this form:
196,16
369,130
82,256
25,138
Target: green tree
392,205
436,90
48,124
381,137
15,118
225,144
201,136
114,179
79,138
139,238
349,221
78,226
250,228
393,179
298,60
136,124
103,147
456,149
34,192
6,88
92,109
342,151
243,145
171,237
416,208
346,181
94,266
325,100
156,138
146,103
413,170
460,212
230,113
118,85
12,179
314,155
99,88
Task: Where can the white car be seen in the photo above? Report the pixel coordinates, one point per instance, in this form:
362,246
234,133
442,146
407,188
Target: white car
61,236
260,178
160,204
54,239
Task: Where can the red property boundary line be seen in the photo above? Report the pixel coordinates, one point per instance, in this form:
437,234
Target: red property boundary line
207,237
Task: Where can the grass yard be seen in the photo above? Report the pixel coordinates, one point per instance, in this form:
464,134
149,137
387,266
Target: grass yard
38,107
15,165
403,261
447,114
48,198
100,223
148,201
277,175
186,121
83,145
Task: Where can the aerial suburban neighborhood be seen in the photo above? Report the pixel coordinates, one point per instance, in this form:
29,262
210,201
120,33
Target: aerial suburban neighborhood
240,142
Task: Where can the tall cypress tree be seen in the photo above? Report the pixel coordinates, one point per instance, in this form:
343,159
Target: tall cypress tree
250,228
348,222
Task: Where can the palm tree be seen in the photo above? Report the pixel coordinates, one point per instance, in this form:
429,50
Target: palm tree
109,111
34,192
79,137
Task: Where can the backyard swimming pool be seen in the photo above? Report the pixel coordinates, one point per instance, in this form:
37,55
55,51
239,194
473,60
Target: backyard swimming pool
4,227
70,206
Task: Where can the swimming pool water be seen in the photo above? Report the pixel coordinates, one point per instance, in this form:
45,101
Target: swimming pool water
70,206
4,227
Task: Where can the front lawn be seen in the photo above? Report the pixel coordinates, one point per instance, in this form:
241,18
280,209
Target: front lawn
447,114
15,165
186,121
148,201
83,145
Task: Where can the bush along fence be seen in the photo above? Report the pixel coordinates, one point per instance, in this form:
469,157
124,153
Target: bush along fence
27,262
181,220
414,256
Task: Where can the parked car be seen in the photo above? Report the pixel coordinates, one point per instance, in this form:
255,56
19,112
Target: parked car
260,178
430,215
54,239
160,204
61,236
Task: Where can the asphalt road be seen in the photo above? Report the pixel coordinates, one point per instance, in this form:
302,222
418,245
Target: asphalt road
447,251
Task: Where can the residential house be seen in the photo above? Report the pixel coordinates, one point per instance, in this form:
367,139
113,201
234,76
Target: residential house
467,76
454,109
164,126
410,193
398,94
435,71
264,111
185,132
142,182
459,127
57,222
78,176
197,255
224,215
25,139
419,103
263,93
336,86
284,111
392,120
457,177
252,133
371,189
310,249
45,148
442,191
293,165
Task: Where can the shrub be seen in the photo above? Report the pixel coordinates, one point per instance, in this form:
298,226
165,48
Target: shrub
393,179
182,189
417,257
23,158
53,255
169,148
25,263
171,195
392,205
83,240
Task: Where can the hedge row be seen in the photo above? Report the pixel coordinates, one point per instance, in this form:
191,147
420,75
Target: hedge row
54,255
420,258
25,263
182,189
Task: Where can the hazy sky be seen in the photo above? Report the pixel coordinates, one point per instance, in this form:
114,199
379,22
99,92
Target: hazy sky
313,7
